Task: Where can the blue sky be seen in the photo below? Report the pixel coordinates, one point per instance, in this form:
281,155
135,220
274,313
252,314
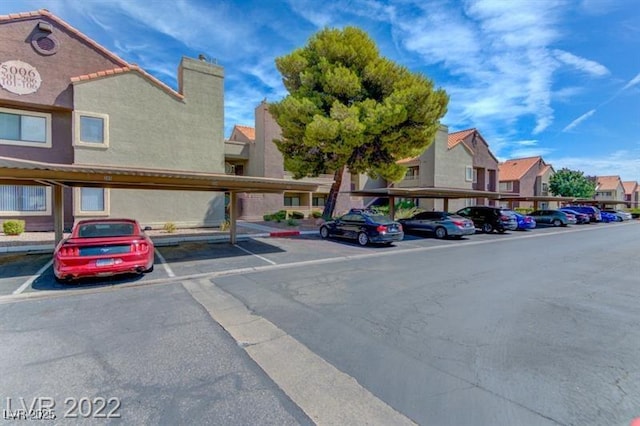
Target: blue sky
557,78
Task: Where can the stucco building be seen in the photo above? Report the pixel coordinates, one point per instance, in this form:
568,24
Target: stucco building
610,192
527,177
66,99
631,193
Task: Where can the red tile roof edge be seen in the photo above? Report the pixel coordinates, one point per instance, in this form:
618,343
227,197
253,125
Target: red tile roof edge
68,27
122,70
125,66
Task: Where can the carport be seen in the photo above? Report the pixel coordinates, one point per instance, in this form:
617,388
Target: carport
59,176
536,199
426,192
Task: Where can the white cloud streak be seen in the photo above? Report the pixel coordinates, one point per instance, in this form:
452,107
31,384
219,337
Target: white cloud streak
633,82
579,120
582,64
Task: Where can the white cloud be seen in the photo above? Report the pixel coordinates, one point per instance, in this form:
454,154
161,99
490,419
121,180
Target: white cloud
582,64
530,152
633,82
579,120
624,163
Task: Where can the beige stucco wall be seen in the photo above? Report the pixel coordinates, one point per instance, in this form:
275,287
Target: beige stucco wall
150,128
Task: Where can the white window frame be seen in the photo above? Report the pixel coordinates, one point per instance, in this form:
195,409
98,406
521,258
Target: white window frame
47,117
77,134
46,212
468,174
77,204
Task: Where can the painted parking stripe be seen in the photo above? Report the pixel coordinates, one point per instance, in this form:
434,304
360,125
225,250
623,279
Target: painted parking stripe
256,255
166,266
32,278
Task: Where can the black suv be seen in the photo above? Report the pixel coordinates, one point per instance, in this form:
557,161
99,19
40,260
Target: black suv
490,219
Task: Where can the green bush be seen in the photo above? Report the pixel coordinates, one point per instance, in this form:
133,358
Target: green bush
296,215
292,222
316,214
169,227
267,218
406,213
523,210
13,227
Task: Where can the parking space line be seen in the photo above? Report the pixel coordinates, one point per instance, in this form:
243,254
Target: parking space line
32,278
256,255
166,266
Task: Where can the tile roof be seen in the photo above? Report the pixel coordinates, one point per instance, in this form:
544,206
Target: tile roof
124,65
545,169
607,183
630,186
516,168
456,137
248,131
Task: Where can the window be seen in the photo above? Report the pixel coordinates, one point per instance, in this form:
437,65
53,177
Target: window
468,174
475,175
91,201
319,200
91,129
506,186
25,128
413,173
18,200
291,200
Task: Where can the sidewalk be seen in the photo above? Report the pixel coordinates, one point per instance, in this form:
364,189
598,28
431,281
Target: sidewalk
44,241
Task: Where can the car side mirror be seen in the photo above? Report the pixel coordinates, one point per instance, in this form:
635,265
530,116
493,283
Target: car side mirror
148,228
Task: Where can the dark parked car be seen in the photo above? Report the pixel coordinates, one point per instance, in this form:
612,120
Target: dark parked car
364,226
442,224
525,221
593,212
580,217
490,219
553,217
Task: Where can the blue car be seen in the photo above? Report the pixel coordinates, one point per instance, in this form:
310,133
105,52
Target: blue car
608,217
525,221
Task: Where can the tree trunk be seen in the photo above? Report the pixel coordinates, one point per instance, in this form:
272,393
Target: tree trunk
330,205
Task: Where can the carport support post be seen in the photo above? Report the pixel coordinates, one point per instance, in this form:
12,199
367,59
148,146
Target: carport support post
233,213
445,205
392,207
58,213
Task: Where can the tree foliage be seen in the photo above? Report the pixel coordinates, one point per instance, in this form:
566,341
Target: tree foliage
348,106
572,183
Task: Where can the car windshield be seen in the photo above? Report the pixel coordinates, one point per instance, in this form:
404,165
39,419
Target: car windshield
112,229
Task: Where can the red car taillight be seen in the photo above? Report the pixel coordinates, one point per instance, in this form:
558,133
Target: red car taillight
381,228
458,223
506,218
139,247
69,251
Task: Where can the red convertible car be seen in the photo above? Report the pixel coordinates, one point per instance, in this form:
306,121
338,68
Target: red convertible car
103,247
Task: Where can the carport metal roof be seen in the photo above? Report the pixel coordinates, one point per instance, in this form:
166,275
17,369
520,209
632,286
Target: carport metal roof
25,172
428,192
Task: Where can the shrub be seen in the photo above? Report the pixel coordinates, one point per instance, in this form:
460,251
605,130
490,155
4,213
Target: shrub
169,227
523,210
267,218
404,213
292,222
280,215
13,227
296,215
316,214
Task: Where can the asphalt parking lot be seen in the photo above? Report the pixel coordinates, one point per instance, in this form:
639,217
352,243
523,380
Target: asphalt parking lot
30,273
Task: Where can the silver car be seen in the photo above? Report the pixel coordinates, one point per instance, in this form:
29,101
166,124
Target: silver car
441,224
620,214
